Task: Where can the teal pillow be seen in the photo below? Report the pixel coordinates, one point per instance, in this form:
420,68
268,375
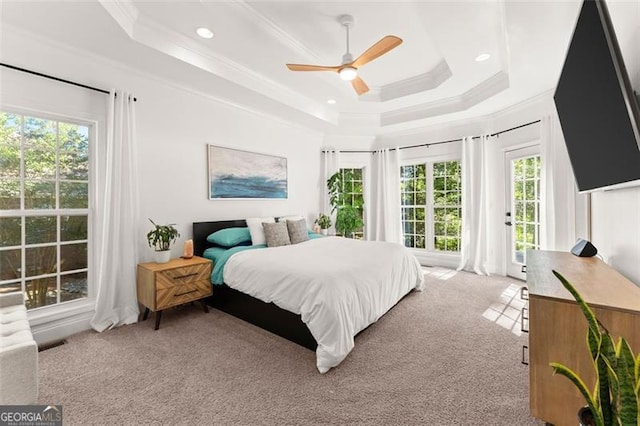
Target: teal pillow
230,237
214,253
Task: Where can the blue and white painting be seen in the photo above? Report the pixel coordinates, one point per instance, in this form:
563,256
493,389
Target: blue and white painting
241,174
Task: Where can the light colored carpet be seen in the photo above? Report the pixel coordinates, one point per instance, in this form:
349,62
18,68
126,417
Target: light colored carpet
436,358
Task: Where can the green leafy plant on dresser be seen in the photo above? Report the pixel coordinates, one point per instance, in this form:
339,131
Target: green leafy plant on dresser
615,399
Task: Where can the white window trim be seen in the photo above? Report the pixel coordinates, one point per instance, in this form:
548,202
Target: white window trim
73,314
429,254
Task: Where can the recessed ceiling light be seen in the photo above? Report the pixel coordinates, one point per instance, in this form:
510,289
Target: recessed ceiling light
482,57
331,101
204,32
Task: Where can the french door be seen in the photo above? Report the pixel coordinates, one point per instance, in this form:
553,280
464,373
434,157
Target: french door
523,207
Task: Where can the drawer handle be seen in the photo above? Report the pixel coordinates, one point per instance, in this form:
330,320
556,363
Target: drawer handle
180,277
524,293
523,318
187,292
524,349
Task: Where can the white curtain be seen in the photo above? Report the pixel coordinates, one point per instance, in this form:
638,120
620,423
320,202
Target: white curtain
384,210
118,214
473,253
557,185
330,165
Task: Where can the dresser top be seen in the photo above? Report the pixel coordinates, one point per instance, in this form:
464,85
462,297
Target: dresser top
598,283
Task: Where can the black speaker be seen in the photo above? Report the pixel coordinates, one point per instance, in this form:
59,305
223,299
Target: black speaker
584,248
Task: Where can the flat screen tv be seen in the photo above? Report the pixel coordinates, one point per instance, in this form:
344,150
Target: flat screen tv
597,107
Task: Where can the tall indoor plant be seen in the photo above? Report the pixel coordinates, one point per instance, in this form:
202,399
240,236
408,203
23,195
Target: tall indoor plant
615,400
160,238
348,216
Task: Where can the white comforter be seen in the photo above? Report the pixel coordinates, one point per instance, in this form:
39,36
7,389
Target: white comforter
339,286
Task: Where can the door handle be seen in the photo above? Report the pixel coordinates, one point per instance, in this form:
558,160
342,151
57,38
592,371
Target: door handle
508,219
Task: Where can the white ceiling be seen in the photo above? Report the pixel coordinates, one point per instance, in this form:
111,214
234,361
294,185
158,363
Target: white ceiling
430,78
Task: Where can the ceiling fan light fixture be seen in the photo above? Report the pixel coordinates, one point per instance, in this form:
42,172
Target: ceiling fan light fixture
482,57
348,73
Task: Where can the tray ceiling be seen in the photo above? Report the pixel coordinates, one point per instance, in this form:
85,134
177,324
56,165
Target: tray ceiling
431,77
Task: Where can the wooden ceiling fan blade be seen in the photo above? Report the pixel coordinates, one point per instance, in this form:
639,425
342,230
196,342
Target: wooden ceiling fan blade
360,86
378,49
301,67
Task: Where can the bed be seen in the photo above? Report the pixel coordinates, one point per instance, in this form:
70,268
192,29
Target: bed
319,293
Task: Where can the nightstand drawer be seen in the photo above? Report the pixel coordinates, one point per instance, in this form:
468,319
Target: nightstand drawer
179,294
183,275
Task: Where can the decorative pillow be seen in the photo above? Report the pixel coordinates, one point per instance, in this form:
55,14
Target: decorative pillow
276,234
230,237
256,230
292,217
297,231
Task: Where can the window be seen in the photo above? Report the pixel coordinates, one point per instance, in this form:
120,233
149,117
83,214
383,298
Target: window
526,206
44,208
431,205
354,194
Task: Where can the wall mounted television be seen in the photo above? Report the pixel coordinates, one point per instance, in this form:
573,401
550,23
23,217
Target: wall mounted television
597,108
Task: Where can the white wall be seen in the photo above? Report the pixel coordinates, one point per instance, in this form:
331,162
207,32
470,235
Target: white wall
615,215
174,126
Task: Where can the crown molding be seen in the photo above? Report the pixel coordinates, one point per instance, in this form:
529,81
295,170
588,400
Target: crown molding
409,86
177,45
533,105
270,27
102,61
123,12
489,87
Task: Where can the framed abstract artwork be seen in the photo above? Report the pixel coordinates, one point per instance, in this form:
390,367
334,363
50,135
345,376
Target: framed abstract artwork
237,174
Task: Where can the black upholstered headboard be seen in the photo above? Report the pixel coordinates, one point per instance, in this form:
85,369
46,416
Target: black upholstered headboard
201,231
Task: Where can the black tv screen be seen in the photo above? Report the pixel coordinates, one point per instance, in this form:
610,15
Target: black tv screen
597,108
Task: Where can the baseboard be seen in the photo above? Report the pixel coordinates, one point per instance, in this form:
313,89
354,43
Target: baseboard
59,329
443,260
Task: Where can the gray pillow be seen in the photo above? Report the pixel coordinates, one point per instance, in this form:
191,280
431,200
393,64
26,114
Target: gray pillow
297,231
276,234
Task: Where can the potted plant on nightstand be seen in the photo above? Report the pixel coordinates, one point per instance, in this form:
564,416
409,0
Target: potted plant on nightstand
616,397
324,222
160,238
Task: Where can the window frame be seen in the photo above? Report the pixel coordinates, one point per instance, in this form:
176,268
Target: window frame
429,199
60,309
362,232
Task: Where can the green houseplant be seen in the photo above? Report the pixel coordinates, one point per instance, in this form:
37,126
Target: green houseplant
324,222
615,398
348,215
160,239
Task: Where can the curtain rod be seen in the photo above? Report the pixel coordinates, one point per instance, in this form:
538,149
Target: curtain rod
62,80
439,142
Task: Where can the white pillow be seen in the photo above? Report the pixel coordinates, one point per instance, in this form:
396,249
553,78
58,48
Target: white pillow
255,229
292,217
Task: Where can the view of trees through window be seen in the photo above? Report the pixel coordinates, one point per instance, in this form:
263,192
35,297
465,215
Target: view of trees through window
526,208
431,205
44,208
355,195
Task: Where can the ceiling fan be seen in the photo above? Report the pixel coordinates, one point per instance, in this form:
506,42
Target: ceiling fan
348,70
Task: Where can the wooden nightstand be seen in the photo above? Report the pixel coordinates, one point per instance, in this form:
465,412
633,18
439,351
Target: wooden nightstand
163,285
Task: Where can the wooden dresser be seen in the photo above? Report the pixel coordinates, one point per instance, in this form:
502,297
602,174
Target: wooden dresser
557,327
163,285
